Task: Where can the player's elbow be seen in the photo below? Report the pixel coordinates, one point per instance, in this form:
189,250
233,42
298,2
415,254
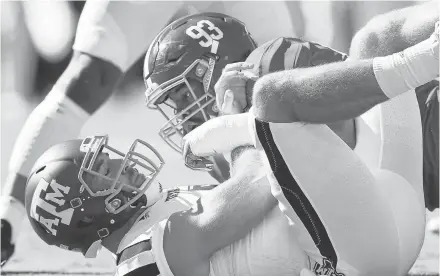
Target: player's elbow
267,100
379,37
261,97
364,44
88,81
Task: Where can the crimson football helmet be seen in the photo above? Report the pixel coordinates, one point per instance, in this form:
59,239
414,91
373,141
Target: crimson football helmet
193,49
78,192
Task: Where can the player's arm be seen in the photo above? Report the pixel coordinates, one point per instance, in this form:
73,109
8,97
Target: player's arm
395,31
343,90
221,217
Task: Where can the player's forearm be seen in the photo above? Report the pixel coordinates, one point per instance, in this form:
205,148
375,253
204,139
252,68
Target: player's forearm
395,31
321,94
344,90
236,206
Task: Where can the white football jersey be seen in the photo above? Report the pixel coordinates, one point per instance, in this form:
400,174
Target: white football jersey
134,254
121,31
269,249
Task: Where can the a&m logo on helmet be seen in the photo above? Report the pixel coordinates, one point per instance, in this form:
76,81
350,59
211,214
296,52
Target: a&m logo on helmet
44,204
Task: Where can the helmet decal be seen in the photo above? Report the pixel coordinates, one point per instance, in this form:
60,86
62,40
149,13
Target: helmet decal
47,201
208,75
208,38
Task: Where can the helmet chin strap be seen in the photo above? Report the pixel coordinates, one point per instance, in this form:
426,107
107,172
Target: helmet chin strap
153,195
152,214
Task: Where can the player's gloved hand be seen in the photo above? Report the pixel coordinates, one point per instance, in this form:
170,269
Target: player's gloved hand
230,89
216,136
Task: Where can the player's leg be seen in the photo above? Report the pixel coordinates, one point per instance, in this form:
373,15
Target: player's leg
398,123
402,156
390,33
393,32
342,25
297,17
322,184
18,64
428,99
82,88
61,19
316,16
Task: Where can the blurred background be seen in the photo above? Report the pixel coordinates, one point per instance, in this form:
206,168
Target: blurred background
36,40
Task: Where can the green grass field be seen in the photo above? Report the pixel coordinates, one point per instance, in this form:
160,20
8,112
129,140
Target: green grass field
124,119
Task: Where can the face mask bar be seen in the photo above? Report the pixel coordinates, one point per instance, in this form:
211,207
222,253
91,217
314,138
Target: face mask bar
174,125
154,91
94,146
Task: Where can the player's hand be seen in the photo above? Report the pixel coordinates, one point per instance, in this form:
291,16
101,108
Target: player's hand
216,136
7,248
230,89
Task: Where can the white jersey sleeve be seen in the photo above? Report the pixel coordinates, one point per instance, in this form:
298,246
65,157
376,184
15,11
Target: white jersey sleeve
121,31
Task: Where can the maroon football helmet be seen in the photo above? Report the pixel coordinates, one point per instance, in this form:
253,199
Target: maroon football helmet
191,52
80,191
